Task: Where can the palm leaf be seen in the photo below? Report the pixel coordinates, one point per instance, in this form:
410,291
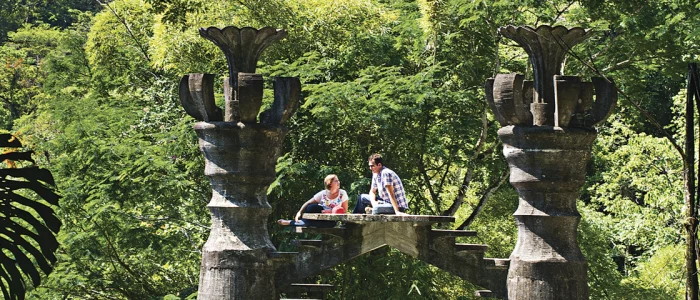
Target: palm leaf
29,226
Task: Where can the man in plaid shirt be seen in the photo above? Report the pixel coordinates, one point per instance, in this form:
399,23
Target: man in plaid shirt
387,185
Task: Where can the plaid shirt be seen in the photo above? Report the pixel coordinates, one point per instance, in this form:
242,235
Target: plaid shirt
388,177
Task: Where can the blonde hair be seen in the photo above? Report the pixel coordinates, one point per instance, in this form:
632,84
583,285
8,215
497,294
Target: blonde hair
329,180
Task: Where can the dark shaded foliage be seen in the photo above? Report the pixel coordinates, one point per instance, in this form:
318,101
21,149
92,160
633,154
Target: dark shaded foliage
59,13
28,234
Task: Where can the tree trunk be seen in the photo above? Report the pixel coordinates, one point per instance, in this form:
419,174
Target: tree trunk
691,283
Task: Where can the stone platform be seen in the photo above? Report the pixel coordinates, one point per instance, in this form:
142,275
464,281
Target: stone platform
368,218
411,234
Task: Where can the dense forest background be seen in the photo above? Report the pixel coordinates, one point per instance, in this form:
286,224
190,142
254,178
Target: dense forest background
92,86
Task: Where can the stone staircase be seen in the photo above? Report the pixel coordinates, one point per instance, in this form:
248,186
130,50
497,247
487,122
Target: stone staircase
309,290
412,236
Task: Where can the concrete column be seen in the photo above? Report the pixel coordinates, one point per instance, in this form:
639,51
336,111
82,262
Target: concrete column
240,163
240,155
547,169
547,133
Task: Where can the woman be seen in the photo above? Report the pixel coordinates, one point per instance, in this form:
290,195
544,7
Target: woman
329,200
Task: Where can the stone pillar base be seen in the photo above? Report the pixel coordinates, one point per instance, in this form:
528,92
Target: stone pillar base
548,167
240,163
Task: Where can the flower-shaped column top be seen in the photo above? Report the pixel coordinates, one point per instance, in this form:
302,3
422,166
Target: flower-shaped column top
243,89
242,46
546,46
552,99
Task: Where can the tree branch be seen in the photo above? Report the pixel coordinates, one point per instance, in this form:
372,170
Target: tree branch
494,187
606,48
146,285
424,175
562,11
452,210
421,163
452,156
128,30
461,194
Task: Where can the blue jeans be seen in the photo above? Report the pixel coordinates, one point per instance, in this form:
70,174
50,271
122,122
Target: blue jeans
363,201
313,209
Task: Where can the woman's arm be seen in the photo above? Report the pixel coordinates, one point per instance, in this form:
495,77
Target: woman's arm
345,202
303,208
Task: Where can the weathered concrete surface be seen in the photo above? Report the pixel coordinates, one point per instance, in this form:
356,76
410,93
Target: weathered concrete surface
197,97
410,234
287,95
240,163
547,168
242,46
249,96
546,47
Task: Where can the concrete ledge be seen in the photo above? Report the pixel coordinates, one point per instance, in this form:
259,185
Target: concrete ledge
442,233
471,247
484,293
340,232
502,263
308,243
364,218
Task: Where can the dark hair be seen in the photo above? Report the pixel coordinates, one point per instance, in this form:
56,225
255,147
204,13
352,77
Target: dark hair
376,159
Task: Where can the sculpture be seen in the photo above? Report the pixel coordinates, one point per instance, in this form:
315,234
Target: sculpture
547,133
240,156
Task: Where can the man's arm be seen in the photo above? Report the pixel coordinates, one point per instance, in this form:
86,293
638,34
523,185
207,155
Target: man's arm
392,196
373,197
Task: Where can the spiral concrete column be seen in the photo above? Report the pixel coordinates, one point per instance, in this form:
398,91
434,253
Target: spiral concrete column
240,146
547,134
547,167
240,164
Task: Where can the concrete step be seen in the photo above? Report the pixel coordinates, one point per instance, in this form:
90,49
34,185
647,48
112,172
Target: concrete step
484,293
470,251
497,263
442,233
307,243
309,290
308,287
279,257
340,232
459,247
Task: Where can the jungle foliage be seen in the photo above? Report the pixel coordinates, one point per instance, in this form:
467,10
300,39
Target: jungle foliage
93,86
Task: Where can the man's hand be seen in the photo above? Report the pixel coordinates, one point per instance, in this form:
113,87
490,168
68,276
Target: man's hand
398,213
298,216
373,197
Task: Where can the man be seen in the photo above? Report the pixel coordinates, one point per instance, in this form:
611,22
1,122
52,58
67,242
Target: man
387,185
